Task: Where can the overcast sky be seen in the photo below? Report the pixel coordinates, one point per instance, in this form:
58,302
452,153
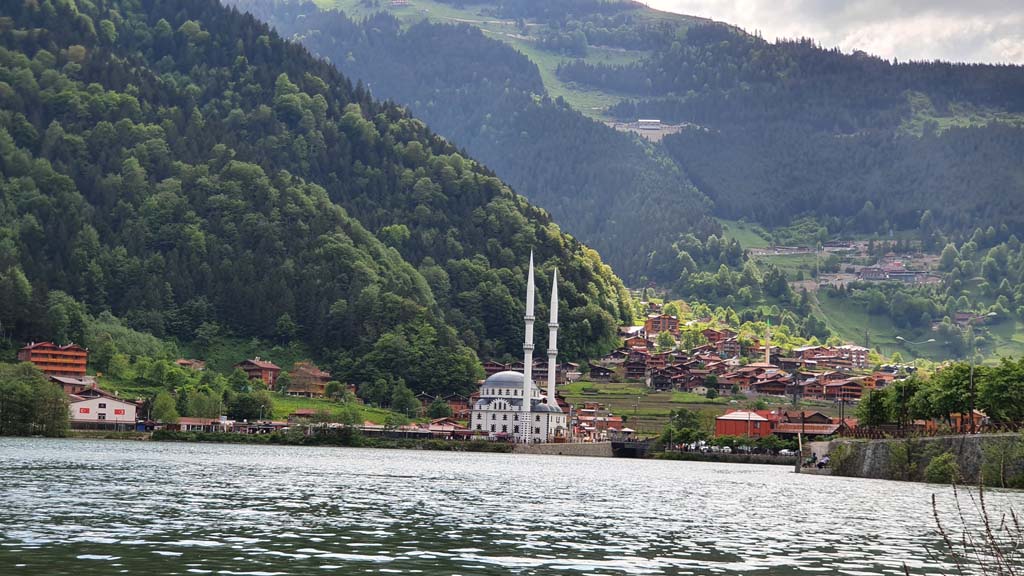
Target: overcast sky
957,30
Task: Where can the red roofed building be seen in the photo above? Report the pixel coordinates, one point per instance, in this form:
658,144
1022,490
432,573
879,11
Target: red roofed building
746,423
54,360
258,369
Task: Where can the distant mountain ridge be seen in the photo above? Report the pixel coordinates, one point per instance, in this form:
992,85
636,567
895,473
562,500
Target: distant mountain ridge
775,131
600,185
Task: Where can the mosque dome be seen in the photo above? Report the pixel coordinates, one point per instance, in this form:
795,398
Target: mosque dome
506,378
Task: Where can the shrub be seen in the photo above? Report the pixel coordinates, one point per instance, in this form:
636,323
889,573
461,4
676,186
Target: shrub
943,469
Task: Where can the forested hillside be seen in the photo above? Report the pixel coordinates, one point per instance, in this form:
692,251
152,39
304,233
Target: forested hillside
601,185
176,164
787,129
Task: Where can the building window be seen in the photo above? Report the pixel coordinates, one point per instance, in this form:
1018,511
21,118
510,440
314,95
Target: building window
101,416
492,427
537,418
504,429
102,405
504,416
536,430
494,416
477,426
516,429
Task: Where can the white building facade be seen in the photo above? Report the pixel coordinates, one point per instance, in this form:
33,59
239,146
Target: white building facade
102,410
511,406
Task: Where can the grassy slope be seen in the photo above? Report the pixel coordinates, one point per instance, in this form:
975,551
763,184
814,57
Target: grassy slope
587,101
744,232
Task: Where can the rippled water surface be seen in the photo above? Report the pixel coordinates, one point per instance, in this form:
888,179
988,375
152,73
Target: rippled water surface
107,507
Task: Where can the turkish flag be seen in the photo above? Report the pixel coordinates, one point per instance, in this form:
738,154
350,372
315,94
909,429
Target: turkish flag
83,410
119,411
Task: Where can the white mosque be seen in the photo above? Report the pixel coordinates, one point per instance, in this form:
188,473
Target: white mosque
501,411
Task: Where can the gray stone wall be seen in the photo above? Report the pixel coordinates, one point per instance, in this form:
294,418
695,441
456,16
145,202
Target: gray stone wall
596,449
996,459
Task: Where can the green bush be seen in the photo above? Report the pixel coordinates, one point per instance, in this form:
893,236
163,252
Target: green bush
943,469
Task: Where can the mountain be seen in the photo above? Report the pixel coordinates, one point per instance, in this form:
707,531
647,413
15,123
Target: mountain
180,166
778,131
771,132
484,95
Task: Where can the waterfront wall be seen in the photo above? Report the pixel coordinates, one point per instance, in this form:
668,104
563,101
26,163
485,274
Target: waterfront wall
995,459
595,449
731,458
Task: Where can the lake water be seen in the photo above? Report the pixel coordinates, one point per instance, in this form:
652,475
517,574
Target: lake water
106,507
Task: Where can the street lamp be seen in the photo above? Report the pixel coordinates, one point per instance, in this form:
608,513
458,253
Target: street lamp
903,387
262,406
974,352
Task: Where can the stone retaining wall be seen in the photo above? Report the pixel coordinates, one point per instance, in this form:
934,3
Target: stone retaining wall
998,459
595,449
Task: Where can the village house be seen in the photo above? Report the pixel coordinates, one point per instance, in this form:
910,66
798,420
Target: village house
69,360
857,355
491,368
601,374
259,369
459,405
308,380
615,357
658,323
843,390
745,423
636,369
190,364
72,385
810,424
637,342
729,347
94,408
715,336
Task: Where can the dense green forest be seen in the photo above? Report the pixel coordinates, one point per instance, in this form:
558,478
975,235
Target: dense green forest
180,167
780,130
601,185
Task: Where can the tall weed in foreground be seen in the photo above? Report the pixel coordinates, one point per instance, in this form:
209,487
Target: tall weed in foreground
979,542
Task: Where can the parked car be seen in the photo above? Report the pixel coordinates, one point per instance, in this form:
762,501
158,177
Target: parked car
787,452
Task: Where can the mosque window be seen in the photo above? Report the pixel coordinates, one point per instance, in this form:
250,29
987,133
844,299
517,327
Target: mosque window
516,429
494,416
537,418
477,426
536,430
504,429
492,427
504,416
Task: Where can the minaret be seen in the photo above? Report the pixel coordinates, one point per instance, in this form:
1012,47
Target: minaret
768,343
527,421
553,341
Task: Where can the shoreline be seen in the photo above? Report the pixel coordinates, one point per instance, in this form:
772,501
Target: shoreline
357,440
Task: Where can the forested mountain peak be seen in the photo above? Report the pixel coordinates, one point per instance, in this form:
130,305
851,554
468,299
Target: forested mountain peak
181,166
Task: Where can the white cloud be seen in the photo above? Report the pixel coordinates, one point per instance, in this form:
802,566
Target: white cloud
977,31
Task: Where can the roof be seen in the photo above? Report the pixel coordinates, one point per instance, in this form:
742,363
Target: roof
744,415
259,363
504,378
83,381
